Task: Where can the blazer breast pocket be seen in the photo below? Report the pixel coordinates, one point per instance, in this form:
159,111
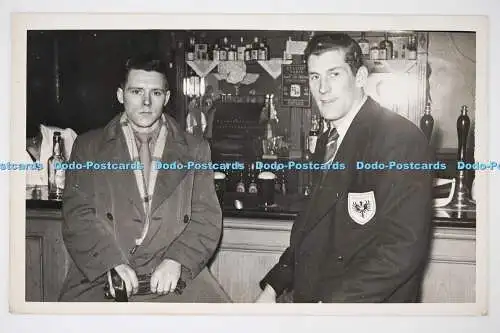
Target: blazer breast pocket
361,206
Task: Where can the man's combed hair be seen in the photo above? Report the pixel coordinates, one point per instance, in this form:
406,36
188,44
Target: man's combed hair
336,41
146,62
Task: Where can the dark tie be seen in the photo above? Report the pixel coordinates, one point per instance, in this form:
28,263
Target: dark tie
145,154
331,144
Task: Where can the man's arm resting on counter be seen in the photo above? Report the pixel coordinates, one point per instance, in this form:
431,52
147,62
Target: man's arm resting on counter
199,240
89,239
280,277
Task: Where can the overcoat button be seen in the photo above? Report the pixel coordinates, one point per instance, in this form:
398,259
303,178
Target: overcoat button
186,218
340,258
109,216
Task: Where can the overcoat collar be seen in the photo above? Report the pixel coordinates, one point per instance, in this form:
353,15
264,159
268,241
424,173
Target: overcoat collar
114,147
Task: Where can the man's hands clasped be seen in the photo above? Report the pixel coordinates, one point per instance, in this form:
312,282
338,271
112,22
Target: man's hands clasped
164,279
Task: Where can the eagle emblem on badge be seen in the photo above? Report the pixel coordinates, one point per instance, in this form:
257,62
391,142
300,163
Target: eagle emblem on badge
361,206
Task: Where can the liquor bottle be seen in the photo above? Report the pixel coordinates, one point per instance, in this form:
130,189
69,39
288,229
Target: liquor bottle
252,180
403,51
387,47
255,49
190,50
241,50
364,44
55,171
216,53
314,133
240,185
382,51
412,47
223,50
374,52
248,52
268,51
270,120
232,53
262,52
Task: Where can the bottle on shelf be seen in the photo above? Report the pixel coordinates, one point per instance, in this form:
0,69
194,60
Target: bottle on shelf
190,50
314,133
240,185
232,53
255,49
386,48
224,49
248,52
403,51
56,174
262,52
241,50
374,52
364,44
412,47
216,52
270,126
252,179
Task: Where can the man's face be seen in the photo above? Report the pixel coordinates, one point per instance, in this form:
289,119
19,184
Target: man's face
332,83
143,98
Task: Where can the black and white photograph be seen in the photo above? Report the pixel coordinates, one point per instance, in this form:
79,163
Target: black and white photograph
240,163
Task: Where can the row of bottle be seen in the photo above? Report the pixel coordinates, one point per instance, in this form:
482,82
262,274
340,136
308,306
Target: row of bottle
226,51
385,49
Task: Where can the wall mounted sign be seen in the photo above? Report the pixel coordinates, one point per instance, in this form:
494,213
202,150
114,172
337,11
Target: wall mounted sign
295,86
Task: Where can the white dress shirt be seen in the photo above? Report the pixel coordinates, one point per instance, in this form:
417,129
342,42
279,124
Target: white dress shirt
343,124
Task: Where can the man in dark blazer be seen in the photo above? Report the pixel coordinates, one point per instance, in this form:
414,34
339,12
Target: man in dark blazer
162,224
365,234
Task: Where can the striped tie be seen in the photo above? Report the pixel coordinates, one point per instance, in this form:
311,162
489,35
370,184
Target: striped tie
331,145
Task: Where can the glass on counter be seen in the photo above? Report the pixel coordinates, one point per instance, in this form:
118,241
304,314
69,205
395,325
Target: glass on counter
266,182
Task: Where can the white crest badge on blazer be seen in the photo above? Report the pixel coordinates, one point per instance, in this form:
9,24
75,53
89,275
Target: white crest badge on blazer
361,206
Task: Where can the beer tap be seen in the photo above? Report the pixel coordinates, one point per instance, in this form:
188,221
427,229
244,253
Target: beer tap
461,198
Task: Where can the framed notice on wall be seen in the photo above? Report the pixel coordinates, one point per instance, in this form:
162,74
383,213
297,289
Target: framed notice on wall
295,86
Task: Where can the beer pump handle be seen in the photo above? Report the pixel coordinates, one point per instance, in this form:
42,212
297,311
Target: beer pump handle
463,125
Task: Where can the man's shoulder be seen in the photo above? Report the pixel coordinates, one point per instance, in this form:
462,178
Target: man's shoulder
392,125
93,138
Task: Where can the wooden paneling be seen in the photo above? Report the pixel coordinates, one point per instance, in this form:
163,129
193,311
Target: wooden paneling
47,260
34,269
249,248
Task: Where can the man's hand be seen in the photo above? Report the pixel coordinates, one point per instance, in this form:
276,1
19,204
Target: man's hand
129,277
165,277
268,295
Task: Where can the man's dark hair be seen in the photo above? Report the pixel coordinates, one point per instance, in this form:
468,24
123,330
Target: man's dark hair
146,62
336,41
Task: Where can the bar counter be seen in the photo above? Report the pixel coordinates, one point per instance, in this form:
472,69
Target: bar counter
252,242
286,208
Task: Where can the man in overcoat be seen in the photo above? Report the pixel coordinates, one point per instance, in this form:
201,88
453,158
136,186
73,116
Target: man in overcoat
165,223
365,234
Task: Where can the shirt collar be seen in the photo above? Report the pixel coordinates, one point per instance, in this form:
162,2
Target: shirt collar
154,134
343,125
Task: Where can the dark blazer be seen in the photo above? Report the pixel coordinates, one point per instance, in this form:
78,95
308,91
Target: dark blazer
103,215
333,258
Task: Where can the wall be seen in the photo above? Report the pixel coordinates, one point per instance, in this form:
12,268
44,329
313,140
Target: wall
452,84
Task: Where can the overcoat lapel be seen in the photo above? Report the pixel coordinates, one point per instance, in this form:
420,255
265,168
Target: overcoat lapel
176,151
333,184
114,149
